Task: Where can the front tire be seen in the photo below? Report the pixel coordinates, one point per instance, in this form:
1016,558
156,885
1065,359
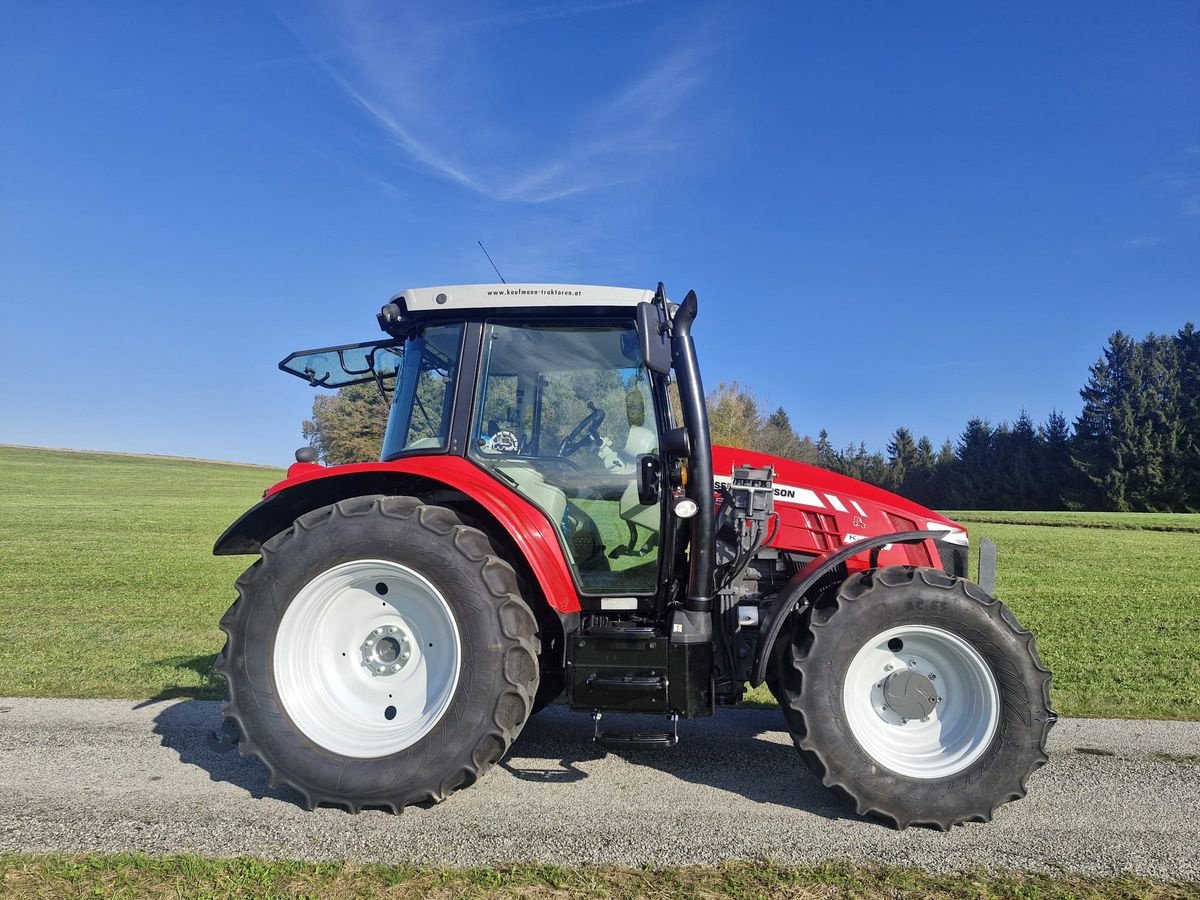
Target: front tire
379,654
917,697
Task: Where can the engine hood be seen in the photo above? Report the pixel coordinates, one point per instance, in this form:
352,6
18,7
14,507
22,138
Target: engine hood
821,510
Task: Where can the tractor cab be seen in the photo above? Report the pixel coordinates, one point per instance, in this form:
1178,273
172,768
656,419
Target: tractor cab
562,409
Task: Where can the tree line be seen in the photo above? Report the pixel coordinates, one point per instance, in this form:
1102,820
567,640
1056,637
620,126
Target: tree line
1135,445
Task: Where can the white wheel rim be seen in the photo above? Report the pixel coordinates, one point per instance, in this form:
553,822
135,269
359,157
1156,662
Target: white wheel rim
966,706
339,683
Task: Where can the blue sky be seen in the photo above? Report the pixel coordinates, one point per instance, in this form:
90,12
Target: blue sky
892,213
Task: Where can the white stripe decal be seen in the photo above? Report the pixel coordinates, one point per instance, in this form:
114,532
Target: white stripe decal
797,495
861,511
956,535
836,503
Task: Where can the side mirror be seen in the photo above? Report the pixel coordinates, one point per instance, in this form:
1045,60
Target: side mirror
652,331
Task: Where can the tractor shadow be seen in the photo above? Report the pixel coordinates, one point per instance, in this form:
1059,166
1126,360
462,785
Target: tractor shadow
184,727
743,751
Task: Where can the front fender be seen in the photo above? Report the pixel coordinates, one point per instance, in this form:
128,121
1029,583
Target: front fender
315,486
804,580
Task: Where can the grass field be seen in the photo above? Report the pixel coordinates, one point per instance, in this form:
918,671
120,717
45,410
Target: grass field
108,587
1188,523
189,876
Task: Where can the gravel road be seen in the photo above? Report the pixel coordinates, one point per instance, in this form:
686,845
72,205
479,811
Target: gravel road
104,775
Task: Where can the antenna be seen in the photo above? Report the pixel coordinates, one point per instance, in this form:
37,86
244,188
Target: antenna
489,259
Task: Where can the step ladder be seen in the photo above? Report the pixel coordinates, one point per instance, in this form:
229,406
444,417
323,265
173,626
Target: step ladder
635,740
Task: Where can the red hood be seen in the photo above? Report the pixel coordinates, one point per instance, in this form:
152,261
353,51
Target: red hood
821,510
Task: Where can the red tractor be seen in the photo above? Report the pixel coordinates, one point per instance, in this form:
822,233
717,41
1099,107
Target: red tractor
549,515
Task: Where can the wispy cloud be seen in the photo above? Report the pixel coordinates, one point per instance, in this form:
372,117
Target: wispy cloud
1143,241
435,87
1182,182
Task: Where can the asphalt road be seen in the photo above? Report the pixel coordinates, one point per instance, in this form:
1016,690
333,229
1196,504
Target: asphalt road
103,775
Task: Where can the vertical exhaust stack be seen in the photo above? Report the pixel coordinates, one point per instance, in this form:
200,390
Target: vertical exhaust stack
694,624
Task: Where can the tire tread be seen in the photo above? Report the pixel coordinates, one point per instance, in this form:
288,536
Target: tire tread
515,620
808,644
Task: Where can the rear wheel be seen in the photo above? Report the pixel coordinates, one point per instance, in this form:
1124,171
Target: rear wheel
918,697
379,654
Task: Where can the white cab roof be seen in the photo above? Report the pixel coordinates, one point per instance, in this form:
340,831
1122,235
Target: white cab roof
517,296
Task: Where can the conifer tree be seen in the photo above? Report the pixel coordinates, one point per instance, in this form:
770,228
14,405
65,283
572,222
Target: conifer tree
902,455
1187,349
975,479
1058,478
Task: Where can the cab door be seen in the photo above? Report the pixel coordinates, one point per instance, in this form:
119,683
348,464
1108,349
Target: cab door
564,415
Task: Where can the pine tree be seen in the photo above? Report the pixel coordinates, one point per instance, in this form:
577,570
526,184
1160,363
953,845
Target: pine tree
902,454
1160,427
1058,484
919,479
1019,471
974,484
1106,419
1132,434
827,457
1187,348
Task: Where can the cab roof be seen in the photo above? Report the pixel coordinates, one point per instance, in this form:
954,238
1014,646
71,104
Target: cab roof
451,298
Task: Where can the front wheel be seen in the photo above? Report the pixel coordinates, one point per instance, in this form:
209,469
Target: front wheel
379,654
918,697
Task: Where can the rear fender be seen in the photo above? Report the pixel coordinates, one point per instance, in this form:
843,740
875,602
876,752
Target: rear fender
448,480
803,581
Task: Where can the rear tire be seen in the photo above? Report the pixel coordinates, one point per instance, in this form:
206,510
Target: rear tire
917,697
379,654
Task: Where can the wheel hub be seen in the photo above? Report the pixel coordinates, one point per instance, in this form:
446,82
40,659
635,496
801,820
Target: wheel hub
386,650
910,694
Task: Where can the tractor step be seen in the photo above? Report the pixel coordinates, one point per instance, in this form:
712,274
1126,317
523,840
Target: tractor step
636,740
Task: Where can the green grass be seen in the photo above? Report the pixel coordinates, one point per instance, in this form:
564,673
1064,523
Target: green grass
1181,522
1116,614
132,876
108,587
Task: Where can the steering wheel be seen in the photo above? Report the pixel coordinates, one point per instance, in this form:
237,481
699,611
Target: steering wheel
586,432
